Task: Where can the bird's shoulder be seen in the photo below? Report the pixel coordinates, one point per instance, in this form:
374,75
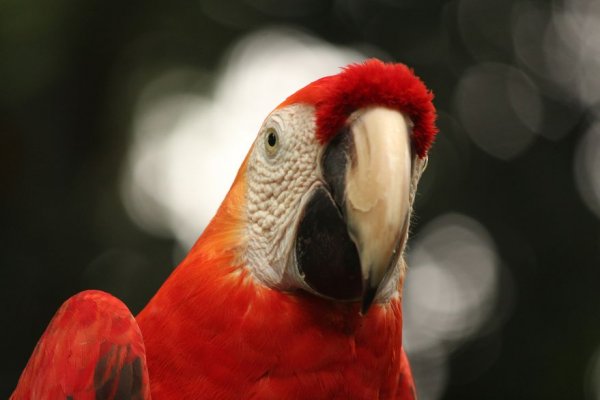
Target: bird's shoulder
92,348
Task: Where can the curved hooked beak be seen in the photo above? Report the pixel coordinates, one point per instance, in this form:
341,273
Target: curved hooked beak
353,229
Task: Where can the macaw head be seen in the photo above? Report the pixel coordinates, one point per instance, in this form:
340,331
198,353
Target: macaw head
323,201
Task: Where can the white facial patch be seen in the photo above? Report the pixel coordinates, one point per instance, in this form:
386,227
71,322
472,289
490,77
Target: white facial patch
279,181
283,168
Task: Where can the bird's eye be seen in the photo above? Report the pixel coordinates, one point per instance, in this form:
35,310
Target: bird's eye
271,141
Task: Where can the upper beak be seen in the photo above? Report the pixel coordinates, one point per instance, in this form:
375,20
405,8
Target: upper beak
377,193
367,171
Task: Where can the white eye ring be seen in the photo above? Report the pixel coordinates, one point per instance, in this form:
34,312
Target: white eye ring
271,142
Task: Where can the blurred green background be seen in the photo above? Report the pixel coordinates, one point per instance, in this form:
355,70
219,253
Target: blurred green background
119,133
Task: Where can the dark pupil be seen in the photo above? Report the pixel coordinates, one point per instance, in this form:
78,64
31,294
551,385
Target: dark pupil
272,139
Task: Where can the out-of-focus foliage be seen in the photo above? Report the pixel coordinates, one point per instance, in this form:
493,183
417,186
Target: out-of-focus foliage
117,117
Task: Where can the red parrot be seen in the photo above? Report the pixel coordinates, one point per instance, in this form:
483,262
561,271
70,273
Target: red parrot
293,291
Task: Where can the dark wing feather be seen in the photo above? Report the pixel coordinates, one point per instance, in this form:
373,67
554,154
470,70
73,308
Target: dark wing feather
92,349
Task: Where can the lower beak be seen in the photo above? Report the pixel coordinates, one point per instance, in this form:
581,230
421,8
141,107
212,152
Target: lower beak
356,225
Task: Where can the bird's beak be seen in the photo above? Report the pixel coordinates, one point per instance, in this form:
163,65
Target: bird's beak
354,227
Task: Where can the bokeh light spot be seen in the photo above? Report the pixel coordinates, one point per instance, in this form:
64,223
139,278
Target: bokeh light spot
451,291
572,49
500,108
587,168
592,378
187,146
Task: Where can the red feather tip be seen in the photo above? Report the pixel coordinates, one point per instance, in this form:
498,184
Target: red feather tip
371,83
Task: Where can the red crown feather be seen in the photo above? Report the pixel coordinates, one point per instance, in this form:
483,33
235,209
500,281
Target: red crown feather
371,83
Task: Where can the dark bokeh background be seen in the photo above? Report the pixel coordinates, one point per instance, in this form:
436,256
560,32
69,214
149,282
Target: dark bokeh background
70,76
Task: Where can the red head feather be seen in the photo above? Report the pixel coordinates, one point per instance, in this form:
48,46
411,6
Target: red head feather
372,83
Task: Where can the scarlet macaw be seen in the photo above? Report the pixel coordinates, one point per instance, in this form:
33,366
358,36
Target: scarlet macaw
294,289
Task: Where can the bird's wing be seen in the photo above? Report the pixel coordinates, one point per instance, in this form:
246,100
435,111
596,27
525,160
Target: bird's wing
92,349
